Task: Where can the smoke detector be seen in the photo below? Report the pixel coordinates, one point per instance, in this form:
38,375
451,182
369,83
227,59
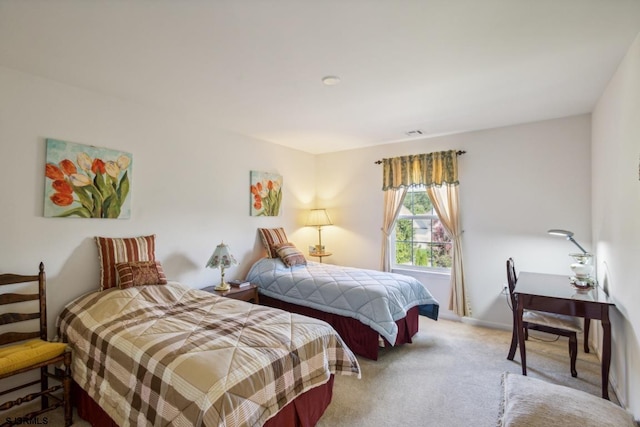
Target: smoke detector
330,80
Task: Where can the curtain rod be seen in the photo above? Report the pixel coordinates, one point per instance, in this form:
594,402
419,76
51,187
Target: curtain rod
459,153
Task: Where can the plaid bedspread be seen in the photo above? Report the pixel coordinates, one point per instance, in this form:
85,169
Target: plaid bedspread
167,355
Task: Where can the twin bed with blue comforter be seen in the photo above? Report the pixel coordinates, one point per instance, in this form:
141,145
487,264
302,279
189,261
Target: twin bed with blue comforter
387,304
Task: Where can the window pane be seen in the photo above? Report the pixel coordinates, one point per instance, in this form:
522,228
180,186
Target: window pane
421,256
403,253
404,230
441,255
422,230
441,246
408,204
421,203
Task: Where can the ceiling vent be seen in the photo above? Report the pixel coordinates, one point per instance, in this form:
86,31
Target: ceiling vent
416,132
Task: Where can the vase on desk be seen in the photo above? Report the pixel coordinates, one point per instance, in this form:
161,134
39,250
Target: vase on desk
582,270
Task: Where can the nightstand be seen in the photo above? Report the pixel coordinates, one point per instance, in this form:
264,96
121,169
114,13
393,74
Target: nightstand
321,255
245,293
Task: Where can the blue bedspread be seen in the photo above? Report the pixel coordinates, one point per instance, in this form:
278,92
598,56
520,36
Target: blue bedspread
375,298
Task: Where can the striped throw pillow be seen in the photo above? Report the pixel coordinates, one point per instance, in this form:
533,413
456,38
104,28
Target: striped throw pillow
289,254
140,273
271,237
117,250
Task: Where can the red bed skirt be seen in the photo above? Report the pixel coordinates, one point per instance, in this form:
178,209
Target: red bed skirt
303,411
360,338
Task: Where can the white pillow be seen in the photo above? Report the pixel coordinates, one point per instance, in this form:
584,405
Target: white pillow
533,402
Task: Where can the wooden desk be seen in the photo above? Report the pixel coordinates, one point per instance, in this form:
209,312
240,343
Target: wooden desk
554,294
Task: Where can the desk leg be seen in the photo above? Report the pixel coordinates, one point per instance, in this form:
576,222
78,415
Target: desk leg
521,340
514,335
587,326
606,351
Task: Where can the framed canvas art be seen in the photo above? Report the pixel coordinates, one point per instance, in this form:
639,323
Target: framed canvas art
86,181
266,193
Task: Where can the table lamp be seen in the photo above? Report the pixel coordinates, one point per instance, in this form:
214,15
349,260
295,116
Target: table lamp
319,218
221,258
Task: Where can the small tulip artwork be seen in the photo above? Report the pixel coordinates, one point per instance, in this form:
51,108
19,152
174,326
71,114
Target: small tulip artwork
266,194
86,181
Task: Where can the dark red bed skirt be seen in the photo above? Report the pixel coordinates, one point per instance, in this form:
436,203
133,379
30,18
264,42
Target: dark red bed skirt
360,338
303,411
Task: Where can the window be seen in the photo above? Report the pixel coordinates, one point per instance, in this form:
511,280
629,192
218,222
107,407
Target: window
420,239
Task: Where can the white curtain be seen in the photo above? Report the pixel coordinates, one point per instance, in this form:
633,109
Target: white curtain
393,199
446,204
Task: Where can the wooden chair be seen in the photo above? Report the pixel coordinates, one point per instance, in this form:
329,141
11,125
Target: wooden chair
25,348
557,324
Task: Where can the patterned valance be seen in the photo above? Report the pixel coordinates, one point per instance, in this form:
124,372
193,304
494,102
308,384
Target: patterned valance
420,169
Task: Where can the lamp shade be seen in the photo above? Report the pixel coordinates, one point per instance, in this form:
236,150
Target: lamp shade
221,257
318,218
568,235
558,232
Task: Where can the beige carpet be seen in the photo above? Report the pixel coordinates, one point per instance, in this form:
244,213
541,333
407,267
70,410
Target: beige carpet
449,376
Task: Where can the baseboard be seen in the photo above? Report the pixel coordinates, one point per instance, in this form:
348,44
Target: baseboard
492,325
448,315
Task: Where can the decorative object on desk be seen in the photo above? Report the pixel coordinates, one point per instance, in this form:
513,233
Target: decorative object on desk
582,284
238,283
319,218
266,193
222,258
582,267
86,181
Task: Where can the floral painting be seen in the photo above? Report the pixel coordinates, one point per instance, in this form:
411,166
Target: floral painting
86,181
266,193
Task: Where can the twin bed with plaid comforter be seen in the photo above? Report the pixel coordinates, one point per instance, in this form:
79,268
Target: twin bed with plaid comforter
167,355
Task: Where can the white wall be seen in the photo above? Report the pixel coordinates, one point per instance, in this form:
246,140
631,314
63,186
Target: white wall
515,183
190,187
616,217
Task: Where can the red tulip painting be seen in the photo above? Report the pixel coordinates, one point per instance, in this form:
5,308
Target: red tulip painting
86,182
266,194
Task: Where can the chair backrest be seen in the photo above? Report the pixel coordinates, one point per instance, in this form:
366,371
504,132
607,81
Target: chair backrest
511,281
11,297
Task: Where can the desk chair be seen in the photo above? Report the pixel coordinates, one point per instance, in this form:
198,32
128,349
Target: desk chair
25,348
557,324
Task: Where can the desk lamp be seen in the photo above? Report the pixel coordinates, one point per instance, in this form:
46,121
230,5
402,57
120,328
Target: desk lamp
569,236
222,258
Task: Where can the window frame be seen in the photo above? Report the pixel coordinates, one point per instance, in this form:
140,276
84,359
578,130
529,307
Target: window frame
425,216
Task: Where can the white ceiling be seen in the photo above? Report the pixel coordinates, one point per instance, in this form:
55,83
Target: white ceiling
255,66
